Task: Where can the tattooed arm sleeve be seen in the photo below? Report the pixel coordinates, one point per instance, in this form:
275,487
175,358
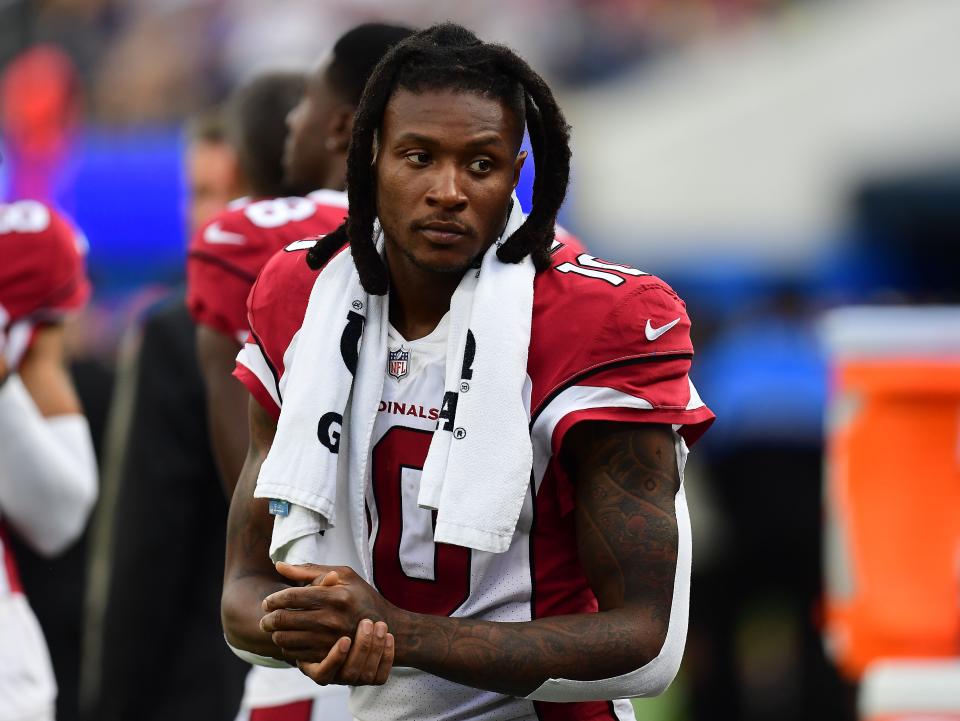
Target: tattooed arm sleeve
633,537
634,544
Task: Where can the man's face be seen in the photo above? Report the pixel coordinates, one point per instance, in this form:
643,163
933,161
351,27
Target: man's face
446,166
306,157
212,178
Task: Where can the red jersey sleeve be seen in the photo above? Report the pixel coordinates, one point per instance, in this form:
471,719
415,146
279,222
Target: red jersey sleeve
221,267
609,343
275,310
227,253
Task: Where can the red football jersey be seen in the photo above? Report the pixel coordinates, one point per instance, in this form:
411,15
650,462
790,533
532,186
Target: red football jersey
228,252
593,321
42,274
608,342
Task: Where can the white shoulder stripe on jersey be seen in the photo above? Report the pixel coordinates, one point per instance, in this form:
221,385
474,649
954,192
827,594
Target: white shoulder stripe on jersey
695,400
575,398
251,358
288,356
301,245
578,398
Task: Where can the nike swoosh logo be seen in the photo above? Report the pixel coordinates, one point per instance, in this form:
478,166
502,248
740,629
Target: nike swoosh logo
654,333
215,235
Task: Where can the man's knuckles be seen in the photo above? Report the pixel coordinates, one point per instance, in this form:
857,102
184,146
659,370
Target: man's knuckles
367,678
271,621
345,573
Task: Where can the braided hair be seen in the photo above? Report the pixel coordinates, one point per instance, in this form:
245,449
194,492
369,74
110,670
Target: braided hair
450,57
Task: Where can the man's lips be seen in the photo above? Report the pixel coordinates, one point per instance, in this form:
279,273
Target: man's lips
440,232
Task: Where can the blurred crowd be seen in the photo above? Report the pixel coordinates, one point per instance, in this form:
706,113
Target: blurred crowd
146,62
755,650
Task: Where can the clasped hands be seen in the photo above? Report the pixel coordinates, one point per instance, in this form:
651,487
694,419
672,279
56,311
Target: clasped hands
334,625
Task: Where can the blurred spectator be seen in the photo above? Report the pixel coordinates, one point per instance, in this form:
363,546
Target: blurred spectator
149,62
40,111
162,67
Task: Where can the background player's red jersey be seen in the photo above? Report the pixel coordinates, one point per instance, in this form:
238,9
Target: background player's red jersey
42,277
42,273
228,252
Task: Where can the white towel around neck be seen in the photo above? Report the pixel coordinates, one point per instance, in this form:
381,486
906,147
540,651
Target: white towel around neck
478,466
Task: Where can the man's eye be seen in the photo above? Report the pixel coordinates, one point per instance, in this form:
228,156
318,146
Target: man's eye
481,165
417,158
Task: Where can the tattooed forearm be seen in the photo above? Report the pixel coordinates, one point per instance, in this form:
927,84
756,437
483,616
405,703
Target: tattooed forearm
516,658
626,478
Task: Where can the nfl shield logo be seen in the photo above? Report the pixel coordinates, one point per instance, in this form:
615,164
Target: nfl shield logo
397,363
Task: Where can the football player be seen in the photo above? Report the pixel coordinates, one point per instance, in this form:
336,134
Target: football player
588,602
48,472
228,252
213,173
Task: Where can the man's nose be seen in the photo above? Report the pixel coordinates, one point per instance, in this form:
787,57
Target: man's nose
447,189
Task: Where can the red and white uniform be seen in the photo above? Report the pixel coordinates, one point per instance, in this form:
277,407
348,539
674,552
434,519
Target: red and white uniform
228,252
42,277
607,343
224,259
42,274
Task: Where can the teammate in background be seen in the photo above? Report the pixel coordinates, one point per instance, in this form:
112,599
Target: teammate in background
586,597
48,472
213,173
161,525
228,252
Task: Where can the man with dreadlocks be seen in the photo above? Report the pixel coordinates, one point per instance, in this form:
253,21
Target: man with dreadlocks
504,499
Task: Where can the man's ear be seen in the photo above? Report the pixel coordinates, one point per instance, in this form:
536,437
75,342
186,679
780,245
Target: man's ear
518,166
340,128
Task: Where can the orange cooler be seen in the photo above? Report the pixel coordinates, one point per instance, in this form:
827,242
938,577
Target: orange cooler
892,495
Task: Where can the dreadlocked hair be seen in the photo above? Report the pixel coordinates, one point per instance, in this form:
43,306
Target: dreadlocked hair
450,57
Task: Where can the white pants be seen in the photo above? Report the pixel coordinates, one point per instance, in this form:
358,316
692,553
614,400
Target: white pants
27,686
270,688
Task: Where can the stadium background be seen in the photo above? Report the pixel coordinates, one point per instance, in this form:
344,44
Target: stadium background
771,160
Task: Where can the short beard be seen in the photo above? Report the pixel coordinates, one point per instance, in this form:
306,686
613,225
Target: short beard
458,269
